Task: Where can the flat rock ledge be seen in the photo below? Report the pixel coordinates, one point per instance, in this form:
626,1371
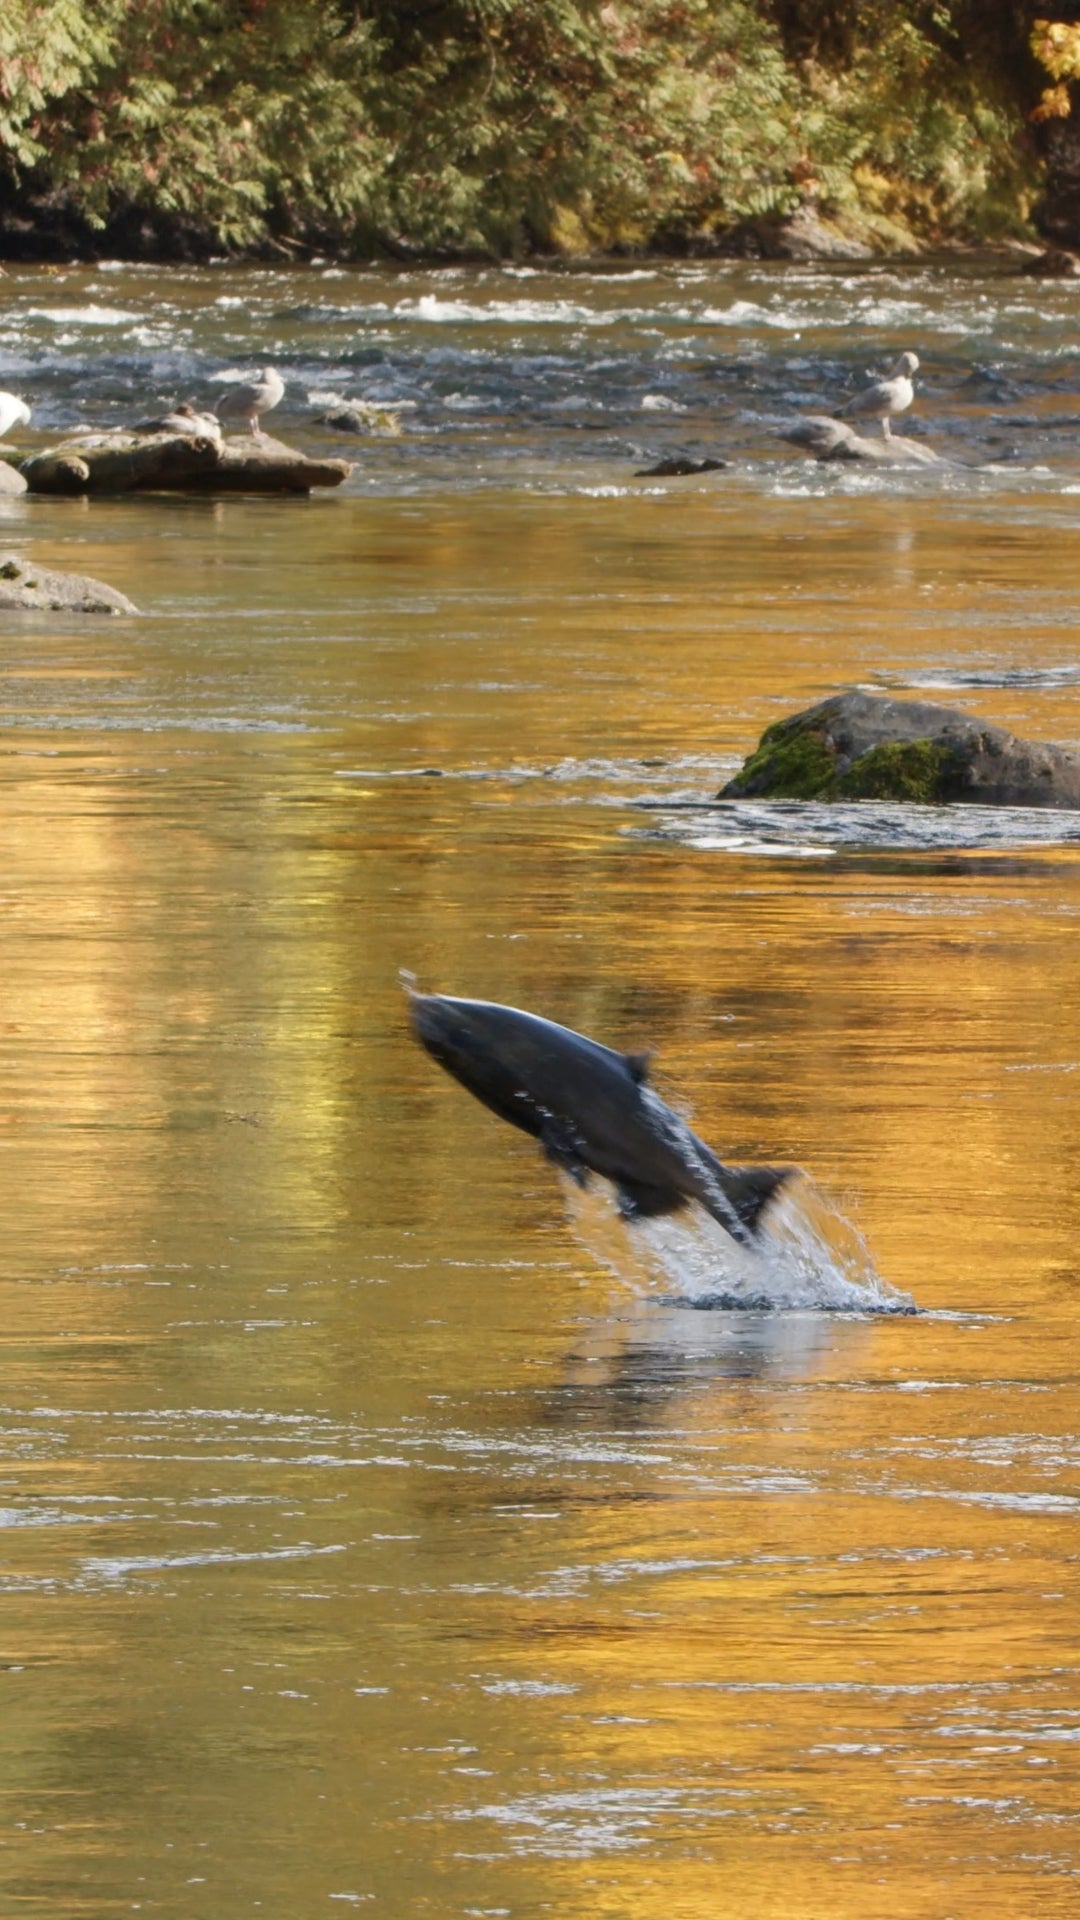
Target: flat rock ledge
178,463
827,439
26,588
863,746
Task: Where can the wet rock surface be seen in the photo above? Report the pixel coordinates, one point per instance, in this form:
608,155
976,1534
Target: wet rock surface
828,439
28,588
361,416
678,469
860,746
1057,263
179,463
803,235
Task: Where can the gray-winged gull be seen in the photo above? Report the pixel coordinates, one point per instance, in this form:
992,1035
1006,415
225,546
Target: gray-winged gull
13,413
892,395
246,402
183,419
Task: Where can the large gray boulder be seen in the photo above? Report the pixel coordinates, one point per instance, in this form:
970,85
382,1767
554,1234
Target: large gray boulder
864,746
178,463
28,588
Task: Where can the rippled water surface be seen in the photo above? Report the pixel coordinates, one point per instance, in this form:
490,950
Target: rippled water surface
381,1526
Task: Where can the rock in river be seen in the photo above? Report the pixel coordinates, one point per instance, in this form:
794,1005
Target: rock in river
828,439
178,463
862,746
27,588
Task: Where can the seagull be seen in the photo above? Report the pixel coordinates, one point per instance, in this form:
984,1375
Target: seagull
183,419
246,402
13,413
892,395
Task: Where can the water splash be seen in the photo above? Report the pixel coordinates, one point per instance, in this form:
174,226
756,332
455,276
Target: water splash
807,1256
812,826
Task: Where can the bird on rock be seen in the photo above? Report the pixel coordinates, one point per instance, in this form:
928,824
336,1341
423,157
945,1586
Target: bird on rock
886,397
184,419
13,413
253,397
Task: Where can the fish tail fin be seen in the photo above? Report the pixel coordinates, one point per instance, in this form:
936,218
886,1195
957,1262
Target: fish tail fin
750,1190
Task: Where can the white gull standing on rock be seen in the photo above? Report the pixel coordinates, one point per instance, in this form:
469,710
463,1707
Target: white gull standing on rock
13,413
246,402
892,395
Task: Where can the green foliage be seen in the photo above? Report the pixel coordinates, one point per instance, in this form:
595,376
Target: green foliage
47,48
915,110
503,125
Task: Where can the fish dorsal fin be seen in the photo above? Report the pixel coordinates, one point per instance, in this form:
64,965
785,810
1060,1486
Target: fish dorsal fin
637,1066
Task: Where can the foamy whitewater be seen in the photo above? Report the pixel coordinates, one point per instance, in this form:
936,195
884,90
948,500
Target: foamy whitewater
576,380
807,1255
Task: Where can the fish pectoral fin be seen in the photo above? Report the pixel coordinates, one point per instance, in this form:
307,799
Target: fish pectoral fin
562,1148
638,1201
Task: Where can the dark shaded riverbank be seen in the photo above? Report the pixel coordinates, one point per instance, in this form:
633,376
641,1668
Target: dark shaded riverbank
441,128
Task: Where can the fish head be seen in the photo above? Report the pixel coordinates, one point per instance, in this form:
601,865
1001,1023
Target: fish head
527,1070
448,1030
483,1046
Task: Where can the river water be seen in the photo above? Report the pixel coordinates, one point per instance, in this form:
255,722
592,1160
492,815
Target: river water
380,1526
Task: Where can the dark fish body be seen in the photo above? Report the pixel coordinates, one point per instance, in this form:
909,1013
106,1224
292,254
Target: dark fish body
591,1109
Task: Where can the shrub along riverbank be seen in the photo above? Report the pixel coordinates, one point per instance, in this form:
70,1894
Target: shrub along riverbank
502,127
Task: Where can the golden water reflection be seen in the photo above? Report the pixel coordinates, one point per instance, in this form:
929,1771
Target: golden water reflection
364,1544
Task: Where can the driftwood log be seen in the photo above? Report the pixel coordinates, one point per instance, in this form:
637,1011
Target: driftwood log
829,439
177,463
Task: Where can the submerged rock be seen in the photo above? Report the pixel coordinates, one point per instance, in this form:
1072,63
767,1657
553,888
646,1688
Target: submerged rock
829,439
361,416
27,588
677,469
862,746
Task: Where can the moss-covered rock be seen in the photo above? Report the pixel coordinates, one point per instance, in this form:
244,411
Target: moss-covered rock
922,771
860,746
792,761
